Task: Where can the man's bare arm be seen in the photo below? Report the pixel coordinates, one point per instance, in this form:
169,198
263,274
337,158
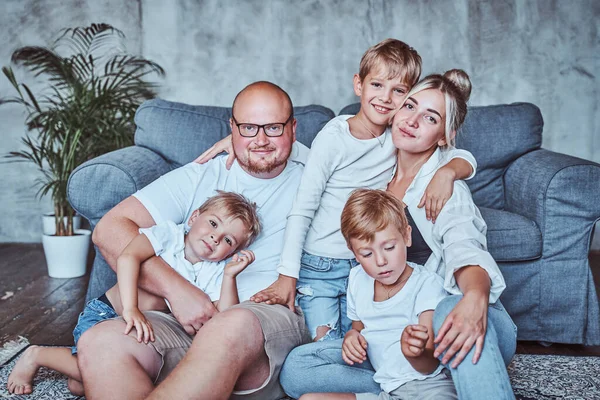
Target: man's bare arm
112,234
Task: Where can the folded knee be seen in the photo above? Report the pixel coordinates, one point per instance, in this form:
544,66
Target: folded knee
234,327
97,341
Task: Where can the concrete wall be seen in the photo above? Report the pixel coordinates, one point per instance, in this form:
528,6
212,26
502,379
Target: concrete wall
540,51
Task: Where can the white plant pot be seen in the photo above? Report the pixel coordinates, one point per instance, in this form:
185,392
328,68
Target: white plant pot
49,223
66,256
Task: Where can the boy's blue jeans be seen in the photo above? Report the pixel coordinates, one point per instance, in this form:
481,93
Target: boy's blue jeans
321,291
319,367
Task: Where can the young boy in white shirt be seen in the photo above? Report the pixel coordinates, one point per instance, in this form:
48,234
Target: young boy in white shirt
390,303
224,224
350,152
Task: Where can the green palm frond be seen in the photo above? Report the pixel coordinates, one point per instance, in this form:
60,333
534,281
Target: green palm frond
87,108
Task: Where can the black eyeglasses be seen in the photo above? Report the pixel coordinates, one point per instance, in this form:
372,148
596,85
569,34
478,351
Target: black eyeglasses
271,130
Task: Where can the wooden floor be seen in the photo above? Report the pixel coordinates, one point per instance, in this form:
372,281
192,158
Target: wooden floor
45,310
42,309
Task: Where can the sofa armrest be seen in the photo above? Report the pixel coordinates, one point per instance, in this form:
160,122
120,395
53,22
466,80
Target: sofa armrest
98,185
560,193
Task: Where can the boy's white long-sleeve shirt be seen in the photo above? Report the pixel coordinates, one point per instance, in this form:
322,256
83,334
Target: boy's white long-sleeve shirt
337,164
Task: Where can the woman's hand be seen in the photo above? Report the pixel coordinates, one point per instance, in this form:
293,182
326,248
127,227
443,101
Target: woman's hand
354,347
464,327
437,193
223,145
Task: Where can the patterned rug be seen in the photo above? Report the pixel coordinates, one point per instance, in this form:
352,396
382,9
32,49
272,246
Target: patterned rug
533,377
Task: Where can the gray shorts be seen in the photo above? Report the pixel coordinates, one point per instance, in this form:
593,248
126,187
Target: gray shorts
282,330
433,388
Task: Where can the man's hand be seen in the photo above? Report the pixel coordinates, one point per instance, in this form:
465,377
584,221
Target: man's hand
413,340
191,307
282,291
354,347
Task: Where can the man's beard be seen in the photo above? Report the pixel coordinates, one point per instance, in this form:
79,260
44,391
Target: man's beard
261,166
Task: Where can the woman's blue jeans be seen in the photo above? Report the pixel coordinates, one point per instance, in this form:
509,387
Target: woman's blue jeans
319,367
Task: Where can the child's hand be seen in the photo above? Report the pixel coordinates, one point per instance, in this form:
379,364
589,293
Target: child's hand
354,348
437,193
135,318
238,263
223,145
414,339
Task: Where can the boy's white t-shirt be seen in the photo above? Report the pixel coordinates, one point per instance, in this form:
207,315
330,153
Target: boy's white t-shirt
175,196
385,321
168,242
337,164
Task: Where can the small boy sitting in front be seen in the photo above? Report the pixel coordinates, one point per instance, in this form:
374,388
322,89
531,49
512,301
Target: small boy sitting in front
224,224
390,303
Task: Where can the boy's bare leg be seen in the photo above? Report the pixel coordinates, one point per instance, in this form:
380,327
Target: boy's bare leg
20,380
146,300
227,353
114,365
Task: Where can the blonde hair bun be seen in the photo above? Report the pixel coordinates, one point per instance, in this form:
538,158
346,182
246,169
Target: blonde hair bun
461,80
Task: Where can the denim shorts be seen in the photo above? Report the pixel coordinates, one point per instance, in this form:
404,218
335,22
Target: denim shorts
321,291
94,311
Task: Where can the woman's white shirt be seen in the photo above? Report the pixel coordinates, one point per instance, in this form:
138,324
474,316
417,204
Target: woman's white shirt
458,237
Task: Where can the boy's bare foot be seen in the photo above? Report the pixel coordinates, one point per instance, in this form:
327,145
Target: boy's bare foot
20,380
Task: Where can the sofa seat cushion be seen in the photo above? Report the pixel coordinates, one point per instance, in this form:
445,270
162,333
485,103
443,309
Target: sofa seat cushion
511,237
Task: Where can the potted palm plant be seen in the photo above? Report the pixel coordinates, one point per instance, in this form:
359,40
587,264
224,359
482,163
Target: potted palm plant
92,88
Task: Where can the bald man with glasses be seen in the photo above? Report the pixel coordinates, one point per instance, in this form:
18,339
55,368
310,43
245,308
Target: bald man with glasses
199,353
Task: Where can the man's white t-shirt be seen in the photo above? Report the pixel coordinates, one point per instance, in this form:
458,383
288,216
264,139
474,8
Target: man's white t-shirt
385,321
168,242
175,196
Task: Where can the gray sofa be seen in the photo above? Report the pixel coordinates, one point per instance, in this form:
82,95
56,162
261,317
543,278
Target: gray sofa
540,206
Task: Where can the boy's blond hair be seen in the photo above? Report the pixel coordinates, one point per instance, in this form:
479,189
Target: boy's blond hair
235,206
369,211
399,58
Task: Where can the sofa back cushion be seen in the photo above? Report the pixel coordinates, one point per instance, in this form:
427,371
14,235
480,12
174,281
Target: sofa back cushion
496,136
181,132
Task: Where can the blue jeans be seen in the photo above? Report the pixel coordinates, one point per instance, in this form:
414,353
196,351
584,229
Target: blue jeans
94,311
321,291
319,367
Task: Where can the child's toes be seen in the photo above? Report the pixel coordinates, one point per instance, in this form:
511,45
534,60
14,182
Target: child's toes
18,389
